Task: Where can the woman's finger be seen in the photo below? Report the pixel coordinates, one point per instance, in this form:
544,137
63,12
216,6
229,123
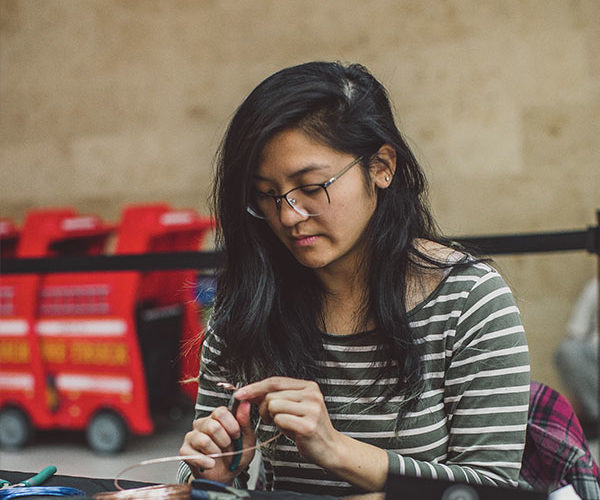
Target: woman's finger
290,395
201,461
203,443
227,421
298,427
259,390
219,435
298,408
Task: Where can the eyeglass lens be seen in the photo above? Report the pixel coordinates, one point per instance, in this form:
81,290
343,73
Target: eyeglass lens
308,200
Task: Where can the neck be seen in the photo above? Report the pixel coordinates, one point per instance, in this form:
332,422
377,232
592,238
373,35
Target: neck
344,300
343,281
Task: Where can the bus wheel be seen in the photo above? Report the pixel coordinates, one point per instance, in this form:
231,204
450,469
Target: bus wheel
15,428
106,433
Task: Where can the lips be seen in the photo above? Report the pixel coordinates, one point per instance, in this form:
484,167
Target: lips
304,240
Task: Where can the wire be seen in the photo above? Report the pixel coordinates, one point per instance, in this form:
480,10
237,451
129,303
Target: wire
160,491
51,491
189,457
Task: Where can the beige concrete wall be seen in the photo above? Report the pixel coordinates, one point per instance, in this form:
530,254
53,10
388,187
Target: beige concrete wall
105,102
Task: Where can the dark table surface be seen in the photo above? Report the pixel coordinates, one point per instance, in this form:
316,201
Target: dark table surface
91,486
398,487
88,485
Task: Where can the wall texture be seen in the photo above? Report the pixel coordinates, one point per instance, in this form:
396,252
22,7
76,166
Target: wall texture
106,102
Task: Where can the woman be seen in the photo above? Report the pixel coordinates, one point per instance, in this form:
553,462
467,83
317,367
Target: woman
351,327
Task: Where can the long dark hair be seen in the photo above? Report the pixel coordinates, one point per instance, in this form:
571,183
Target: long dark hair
268,307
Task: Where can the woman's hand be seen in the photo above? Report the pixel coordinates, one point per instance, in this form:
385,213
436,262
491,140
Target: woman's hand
298,409
215,434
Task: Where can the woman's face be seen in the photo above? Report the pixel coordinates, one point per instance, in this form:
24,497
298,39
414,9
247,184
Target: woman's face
329,242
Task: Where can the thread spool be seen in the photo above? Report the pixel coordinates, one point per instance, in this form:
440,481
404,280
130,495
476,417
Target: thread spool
157,492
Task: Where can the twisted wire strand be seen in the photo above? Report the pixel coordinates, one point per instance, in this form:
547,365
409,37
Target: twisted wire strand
161,460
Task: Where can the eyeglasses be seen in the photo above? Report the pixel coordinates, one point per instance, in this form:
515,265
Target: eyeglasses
308,200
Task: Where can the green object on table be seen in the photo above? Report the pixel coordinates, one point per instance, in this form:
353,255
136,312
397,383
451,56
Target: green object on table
45,474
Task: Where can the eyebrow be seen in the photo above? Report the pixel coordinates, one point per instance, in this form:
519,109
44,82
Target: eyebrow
309,168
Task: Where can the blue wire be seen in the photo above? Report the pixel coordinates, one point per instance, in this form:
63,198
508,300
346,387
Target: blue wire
53,491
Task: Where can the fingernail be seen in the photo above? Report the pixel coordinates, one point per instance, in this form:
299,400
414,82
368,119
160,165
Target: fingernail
240,393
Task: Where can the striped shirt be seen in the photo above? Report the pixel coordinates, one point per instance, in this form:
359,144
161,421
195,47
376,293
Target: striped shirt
469,422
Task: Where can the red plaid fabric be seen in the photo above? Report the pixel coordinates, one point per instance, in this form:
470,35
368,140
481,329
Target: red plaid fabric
556,450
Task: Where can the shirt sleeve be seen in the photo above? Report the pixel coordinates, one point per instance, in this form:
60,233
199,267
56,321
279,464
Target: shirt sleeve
210,395
486,392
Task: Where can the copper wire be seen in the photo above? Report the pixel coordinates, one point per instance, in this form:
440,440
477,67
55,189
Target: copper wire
178,458
169,491
159,491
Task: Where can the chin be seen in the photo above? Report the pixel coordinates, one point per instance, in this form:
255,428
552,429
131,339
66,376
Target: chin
311,263
312,258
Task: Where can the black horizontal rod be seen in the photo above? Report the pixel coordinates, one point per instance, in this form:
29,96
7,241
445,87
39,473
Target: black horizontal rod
157,261
163,261
535,242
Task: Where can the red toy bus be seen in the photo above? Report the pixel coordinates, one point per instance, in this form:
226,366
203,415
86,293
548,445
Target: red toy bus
96,350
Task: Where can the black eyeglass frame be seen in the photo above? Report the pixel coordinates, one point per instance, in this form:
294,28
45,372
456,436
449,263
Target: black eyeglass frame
324,185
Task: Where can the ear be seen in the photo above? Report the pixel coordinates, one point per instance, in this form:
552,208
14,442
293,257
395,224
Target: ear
383,166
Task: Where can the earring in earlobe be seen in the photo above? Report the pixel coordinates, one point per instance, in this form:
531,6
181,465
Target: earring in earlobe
387,179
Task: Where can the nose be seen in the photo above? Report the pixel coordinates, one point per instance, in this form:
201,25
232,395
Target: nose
289,216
